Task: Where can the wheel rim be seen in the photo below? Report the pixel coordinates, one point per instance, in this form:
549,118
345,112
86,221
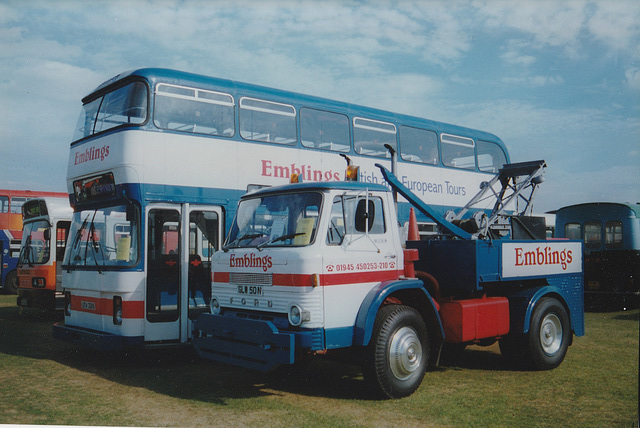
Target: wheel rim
405,353
551,334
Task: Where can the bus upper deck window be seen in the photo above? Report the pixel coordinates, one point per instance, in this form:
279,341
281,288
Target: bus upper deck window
267,121
418,145
194,110
124,105
458,152
324,130
371,136
490,157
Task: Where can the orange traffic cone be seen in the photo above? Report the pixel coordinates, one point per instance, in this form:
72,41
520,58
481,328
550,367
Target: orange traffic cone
412,233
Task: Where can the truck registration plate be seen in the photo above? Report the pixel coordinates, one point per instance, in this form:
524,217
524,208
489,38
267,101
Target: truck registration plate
252,290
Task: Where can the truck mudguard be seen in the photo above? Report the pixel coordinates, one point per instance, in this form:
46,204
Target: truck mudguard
521,307
424,303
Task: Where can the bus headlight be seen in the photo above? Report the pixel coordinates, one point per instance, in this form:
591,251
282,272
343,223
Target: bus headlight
297,316
117,310
215,306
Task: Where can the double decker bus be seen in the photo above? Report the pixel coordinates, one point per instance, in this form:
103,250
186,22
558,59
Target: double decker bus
46,223
611,234
11,202
160,159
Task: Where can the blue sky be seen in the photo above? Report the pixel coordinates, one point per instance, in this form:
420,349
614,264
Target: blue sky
556,80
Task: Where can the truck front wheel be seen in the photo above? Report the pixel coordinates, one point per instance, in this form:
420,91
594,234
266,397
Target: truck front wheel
398,353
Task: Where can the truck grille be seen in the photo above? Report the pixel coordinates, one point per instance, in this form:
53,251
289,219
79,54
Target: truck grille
242,278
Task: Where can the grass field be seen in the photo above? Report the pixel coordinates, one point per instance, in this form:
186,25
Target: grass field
46,382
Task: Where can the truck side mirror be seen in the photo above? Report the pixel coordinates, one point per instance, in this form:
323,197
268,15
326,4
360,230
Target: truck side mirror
364,216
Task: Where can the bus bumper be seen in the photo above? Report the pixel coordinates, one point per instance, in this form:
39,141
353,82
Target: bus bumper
250,343
96,340
41,299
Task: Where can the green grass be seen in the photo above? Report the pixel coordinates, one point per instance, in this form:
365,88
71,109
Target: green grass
47,382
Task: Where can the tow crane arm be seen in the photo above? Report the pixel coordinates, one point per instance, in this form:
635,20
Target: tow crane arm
516,180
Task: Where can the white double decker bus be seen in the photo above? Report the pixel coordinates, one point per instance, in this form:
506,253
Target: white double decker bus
160,159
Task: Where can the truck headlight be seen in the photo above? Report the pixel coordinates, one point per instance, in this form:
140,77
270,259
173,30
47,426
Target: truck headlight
297,316
215,306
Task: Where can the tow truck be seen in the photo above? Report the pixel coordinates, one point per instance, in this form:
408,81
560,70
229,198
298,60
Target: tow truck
320,268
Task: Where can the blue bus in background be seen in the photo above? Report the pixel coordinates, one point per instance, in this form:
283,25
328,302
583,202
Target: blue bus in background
611,234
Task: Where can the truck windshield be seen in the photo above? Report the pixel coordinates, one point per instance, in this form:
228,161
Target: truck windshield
103,238
289,219
36,243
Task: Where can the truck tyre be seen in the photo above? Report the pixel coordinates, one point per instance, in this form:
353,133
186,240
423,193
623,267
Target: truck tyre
549,335
11,283
398,353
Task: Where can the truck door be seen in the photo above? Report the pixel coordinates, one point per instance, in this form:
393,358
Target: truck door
360,254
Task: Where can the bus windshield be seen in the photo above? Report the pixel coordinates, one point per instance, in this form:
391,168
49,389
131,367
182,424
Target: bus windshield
278,220
36,243
126,105
104,238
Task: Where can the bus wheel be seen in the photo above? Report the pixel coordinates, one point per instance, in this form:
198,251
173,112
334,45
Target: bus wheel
11,283
549,335
398,353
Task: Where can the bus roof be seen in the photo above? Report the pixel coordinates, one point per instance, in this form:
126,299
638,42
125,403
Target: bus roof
595,210
179,77
30,193
56,207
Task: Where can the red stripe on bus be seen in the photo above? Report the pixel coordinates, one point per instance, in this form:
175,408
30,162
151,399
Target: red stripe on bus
101,306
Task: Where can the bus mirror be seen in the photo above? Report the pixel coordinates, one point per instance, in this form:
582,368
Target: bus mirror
47,234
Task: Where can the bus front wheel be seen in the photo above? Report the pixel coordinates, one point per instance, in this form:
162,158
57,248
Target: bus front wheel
11,283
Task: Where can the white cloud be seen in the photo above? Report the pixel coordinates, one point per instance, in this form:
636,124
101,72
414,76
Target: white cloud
551,23
616,23
632,77
533,81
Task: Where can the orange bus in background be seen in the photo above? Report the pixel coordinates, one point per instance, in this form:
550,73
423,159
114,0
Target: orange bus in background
11,202
46,224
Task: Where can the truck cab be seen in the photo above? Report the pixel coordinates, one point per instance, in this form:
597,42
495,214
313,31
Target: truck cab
298,265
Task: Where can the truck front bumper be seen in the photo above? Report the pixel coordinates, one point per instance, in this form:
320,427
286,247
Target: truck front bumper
250,343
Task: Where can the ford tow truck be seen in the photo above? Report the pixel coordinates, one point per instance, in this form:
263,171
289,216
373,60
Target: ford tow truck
321,268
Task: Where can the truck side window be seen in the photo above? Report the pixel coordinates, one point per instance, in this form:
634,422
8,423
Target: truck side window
336,231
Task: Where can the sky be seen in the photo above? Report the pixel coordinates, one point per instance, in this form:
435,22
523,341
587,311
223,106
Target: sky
555,80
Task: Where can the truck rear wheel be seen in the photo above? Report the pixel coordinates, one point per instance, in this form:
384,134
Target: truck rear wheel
398,353
545,346
549,334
